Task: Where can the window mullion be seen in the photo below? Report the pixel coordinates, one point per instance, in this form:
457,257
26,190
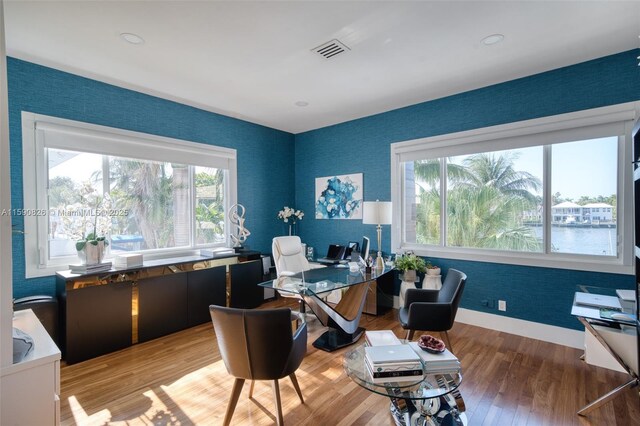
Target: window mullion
227,203
443,201
106,184
42,201
547,198
192,207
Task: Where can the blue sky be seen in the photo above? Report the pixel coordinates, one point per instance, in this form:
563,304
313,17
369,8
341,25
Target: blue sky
577,168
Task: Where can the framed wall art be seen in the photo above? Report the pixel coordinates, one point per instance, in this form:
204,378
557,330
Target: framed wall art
339,197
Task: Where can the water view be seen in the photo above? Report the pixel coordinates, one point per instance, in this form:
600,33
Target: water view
597,241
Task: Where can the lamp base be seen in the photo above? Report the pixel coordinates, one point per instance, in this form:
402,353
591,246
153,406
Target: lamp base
379,261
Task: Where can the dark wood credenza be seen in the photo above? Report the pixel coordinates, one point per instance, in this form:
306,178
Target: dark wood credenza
104,312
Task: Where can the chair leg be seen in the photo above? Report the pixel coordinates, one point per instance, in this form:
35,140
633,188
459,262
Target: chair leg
446,338
276,395
410,334
253,382
294,380
235,394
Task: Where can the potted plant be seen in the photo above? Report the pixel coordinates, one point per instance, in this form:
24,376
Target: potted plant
89,223
409,264
91,248
432,269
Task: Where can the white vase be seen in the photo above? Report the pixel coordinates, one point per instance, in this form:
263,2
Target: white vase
433,271
404,286
90,254
432,282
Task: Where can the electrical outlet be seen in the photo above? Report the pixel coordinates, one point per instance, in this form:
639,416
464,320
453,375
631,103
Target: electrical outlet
502,305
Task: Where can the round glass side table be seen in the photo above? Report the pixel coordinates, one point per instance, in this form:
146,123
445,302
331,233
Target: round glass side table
431,400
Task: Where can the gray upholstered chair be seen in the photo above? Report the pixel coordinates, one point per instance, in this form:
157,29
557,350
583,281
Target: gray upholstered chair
433,310
259,345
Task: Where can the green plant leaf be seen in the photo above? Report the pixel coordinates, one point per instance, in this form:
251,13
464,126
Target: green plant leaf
80,245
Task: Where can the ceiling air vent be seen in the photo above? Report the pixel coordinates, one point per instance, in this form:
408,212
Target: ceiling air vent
330,49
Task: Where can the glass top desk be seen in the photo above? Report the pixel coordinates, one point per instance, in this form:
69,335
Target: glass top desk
342,318
591,307
430,400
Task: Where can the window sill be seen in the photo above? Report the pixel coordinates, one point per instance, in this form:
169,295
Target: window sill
560,261
50,270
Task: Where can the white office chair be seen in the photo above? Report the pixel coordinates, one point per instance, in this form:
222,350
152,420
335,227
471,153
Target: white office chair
290,259
288,256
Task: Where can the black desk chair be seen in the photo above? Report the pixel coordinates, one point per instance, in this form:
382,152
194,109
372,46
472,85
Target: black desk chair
259,345
433,310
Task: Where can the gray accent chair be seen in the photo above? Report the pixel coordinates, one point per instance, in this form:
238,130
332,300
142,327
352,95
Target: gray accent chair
259,345
433,310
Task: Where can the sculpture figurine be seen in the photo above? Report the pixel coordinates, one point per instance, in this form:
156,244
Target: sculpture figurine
236,217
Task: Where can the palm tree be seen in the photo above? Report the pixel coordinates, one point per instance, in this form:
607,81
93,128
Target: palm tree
145,189
485,200
484,217
428,217
429,171
496,171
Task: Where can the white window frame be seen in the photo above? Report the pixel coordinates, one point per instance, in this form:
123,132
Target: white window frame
576,126
41,131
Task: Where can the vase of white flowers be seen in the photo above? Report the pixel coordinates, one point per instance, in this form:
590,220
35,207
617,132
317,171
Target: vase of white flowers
290,216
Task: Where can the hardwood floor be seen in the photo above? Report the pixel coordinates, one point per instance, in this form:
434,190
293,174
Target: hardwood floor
181,380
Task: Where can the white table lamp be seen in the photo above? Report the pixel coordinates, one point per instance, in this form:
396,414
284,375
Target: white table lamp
377,213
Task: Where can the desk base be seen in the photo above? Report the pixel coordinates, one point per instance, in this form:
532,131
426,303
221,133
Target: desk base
333,339
608,397
443,410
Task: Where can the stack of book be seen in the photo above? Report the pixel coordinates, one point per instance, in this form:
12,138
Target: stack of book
380,338
443,362
216,251
393,363
90,269
127,260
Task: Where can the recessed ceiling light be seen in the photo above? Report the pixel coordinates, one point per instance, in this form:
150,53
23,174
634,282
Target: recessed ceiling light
132,38
492,39
302,103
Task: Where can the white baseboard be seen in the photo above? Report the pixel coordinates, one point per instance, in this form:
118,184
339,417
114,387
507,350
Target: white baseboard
530,329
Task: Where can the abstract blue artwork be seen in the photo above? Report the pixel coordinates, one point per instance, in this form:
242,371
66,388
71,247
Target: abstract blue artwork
339,197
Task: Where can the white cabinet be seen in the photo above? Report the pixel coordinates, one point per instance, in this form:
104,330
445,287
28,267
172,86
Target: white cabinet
31,388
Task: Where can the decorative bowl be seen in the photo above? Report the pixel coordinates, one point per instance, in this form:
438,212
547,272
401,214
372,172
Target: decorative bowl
431,344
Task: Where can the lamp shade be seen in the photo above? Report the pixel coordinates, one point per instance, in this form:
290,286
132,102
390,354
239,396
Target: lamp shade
376,213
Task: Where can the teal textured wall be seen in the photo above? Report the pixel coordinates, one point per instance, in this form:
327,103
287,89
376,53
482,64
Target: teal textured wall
47,91
537,294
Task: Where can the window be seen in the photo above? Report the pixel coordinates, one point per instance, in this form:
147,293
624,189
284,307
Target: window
148,194
547,192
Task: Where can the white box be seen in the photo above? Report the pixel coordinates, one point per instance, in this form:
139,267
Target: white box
128,260
381,338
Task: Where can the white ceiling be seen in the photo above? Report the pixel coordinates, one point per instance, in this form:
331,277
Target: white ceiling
253,60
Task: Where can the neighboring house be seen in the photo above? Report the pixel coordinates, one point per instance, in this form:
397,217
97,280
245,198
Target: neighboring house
569,212
594,212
